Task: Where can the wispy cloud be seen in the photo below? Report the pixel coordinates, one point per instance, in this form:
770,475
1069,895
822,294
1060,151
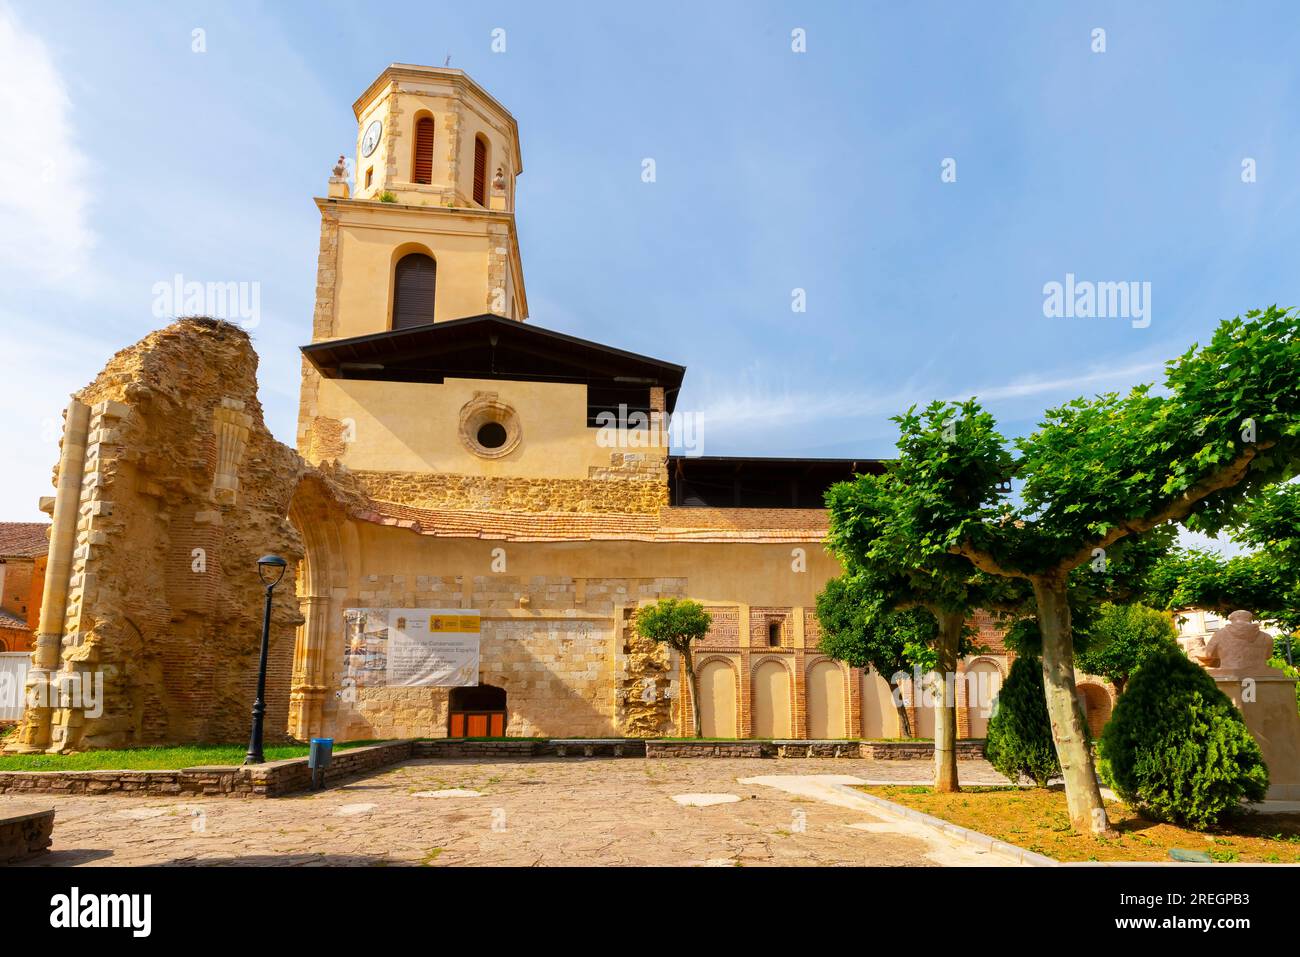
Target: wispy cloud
1103,379
44,195
753,404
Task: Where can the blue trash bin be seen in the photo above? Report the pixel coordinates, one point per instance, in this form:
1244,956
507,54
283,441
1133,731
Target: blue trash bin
318,759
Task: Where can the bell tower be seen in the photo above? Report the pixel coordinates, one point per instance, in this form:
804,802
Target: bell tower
427,234
436,163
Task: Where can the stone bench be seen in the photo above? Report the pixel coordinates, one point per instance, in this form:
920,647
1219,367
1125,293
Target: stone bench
24,832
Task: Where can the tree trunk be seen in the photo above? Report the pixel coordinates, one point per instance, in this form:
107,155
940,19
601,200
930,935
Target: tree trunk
1082,795
945,716
904,725
695,691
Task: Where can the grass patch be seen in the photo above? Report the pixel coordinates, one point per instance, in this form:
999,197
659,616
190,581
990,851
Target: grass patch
157,759
1038,820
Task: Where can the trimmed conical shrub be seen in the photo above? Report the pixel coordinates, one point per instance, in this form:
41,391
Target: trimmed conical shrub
1176,748
1020,733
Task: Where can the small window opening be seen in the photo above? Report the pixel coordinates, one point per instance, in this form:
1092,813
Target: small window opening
492,435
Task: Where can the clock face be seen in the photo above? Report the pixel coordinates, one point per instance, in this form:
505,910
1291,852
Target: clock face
371,139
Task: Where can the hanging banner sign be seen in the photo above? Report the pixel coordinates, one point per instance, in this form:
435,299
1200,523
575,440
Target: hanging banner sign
411,647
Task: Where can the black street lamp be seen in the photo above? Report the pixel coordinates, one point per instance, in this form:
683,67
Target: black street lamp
267,566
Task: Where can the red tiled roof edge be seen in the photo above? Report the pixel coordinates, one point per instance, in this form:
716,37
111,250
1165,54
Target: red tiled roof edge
23,539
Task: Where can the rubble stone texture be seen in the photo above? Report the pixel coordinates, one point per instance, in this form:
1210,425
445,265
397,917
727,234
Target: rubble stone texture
183,490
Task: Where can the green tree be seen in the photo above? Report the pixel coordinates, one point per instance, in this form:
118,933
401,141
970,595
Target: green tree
676,623
1265,580
1176,747
1020,733
888,573
1121,639
1097,472
857,632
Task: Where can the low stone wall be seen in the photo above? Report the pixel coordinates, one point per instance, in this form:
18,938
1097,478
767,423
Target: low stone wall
818,749
453,748
710,749
273,779
968,749
461,748
25,832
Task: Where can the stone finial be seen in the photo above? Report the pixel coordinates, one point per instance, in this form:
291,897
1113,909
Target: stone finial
338,186
499,180
1240,648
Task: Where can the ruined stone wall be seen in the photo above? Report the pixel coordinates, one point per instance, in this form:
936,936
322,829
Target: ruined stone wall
183,489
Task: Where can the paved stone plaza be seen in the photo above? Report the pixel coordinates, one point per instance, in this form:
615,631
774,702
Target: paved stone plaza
540,812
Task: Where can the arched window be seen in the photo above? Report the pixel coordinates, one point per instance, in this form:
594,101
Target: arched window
422,163
480,170
413,284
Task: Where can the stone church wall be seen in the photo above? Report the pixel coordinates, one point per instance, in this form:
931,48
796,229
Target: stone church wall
622,489
563,651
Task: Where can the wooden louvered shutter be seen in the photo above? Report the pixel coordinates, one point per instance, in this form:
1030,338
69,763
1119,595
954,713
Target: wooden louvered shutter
422,167
413,287
480,171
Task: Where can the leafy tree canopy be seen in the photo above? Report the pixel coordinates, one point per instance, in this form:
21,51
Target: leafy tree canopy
1124,636
1265,581
675,622
1226,424
856,629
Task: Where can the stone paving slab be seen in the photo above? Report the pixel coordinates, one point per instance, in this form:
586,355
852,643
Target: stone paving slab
560,811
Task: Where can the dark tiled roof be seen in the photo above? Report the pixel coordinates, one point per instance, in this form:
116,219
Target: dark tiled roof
23,539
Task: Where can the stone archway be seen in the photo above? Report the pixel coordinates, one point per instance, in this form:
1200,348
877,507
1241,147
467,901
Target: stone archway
826,700
981,680
770,703
326,531
1096,704
717,704
925,695
879,715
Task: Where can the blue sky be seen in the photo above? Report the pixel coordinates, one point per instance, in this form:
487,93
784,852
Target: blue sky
126,158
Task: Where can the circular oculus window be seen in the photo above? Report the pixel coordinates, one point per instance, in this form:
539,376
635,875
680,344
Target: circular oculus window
489,428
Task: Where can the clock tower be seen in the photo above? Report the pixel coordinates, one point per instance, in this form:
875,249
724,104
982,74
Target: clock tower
427,233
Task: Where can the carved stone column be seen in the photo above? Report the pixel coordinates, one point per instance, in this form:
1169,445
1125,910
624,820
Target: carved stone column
35,733
310,687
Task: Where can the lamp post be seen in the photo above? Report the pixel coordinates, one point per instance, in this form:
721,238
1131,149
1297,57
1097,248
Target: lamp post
270,568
